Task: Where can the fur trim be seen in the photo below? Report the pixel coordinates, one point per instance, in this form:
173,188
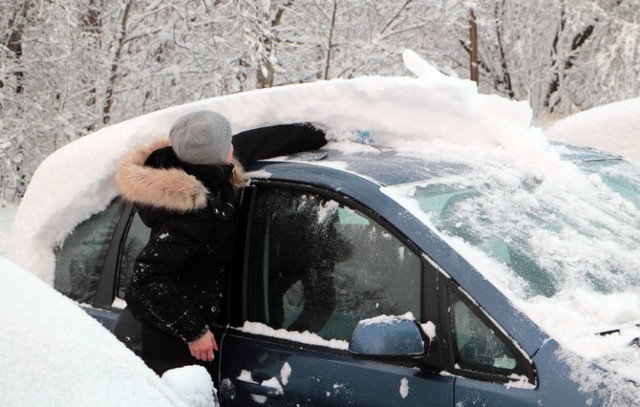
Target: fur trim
170,188
239,178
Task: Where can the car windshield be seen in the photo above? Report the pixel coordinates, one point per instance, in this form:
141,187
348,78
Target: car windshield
544,235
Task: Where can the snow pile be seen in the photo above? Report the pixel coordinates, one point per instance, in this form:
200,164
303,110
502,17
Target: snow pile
54,354
193,385
614,127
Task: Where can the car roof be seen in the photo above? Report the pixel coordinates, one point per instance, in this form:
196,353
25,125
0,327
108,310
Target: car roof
384,166
387,166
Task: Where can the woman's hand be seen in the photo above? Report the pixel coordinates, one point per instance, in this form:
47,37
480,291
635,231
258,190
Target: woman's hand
203,347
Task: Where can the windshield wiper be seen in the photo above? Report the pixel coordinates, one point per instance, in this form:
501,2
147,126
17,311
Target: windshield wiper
617,331
634,342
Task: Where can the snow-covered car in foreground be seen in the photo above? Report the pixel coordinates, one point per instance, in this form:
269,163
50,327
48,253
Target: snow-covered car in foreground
439,251
613,127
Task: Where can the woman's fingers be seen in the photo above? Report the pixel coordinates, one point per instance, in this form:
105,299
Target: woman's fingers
203,347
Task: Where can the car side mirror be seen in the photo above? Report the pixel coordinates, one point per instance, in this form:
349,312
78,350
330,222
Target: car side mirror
387,336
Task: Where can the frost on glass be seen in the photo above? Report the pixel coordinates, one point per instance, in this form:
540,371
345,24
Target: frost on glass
620,176
80,258
550,234
476,346
325,266
381,277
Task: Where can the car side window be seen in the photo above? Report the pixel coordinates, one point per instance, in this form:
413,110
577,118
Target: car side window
317,265
476,345
136,238
80,258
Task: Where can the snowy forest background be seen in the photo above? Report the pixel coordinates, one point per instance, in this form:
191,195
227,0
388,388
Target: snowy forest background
70,67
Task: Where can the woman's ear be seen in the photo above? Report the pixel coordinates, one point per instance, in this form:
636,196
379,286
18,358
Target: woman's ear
229,158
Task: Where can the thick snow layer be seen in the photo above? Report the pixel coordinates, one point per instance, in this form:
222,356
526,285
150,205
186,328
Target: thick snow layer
53,354
77,180
614,127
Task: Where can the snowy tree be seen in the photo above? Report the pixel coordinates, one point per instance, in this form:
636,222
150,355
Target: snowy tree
261,21
35,108
70,67
173,52
608,69
556,54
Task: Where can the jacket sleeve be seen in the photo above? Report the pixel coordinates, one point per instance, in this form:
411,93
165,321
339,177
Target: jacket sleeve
273,141
153,294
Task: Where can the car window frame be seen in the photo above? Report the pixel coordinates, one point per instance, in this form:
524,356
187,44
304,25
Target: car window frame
446,316
107,285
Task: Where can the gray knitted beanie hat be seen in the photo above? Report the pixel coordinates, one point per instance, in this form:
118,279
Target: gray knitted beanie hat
201,137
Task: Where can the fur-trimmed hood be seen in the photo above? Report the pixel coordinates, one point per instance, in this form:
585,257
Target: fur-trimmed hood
166,188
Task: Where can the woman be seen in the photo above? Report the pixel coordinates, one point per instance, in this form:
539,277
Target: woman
184,190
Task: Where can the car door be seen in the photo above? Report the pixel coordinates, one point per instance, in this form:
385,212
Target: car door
316,265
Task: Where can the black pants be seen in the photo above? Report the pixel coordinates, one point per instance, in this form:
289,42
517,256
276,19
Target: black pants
161,351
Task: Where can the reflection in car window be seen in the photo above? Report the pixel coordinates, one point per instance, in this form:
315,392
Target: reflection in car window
135,240
477,347
318,266
80,258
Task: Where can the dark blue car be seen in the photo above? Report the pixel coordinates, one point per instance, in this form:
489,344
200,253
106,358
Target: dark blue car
347,290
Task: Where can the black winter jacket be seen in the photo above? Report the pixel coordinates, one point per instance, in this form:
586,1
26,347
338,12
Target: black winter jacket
178,278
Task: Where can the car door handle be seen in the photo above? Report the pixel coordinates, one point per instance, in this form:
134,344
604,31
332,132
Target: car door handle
258,389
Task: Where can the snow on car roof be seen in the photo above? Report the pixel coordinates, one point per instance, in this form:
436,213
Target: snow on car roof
77,180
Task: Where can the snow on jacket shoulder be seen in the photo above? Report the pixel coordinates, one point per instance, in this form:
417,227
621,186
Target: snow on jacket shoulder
178,278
